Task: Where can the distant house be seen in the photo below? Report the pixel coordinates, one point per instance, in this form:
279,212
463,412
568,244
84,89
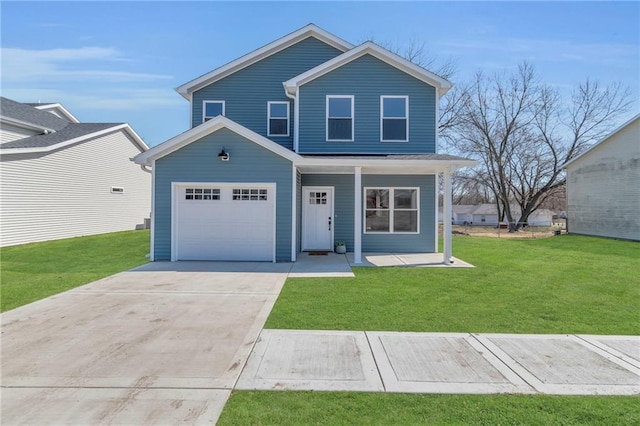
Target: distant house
62,178
487,215
603,186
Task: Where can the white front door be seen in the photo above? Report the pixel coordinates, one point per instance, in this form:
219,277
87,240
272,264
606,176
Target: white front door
317,218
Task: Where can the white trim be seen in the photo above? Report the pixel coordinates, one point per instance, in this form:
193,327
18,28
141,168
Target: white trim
276,46
294,213
606,138
269,103
353,118
437,206
204,109
153,213
447,211
391,209
143,146
357,212
442,85
437,129
271,186
330,189
207,128
60,108
296,123
406,117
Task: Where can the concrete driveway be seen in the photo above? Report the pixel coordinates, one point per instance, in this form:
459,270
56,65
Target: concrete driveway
161,344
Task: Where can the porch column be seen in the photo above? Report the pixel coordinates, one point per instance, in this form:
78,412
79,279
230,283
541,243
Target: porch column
446,217
357,220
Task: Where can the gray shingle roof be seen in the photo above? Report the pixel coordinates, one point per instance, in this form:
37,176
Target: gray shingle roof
31,115
71,131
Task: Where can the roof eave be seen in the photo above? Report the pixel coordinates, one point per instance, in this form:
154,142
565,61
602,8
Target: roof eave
442,85
186,89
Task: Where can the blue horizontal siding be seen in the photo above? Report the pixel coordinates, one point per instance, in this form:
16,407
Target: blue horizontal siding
247,91
198,162
343,184
424,242
367,78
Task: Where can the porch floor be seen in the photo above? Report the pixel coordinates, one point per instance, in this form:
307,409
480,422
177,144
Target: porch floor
339,265
422,260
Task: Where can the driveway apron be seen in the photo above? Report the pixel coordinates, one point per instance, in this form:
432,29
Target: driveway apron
160,344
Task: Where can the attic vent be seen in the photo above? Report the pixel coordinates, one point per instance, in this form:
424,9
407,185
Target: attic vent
117,190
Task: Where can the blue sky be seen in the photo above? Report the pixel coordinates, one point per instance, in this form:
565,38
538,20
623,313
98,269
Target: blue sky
120,61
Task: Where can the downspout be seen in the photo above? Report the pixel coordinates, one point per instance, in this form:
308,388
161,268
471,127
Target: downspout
145,168
295,117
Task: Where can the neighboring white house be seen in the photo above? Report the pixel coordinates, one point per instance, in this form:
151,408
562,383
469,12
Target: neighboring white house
61,178
487,215
603,186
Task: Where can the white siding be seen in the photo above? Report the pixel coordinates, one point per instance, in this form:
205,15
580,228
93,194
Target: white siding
603,188
67,192
10,133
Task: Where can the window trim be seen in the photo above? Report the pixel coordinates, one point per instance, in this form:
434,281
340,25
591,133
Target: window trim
204,109
353,119
382,118
288,104
391,209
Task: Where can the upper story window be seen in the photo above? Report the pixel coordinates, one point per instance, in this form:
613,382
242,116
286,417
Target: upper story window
394,118
212,109
340,118
278,118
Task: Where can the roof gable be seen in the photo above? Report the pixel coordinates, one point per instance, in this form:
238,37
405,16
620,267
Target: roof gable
369,48
310,30
56,109
607,138
211,126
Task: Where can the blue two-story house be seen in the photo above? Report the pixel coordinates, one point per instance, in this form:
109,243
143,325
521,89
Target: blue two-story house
301,143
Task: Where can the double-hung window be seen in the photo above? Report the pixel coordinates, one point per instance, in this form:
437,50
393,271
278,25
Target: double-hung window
394,118
391,210
340,118
212,109
278,118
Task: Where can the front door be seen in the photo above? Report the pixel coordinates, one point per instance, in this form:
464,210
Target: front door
317,218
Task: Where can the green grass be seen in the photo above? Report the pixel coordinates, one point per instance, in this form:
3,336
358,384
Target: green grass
31,272
342,408
568,284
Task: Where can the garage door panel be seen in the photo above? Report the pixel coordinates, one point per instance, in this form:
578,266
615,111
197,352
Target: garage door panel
224,229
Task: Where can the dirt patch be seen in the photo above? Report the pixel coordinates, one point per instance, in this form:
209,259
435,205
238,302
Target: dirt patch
531,232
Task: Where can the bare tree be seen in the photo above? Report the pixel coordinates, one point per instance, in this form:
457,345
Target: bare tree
522,134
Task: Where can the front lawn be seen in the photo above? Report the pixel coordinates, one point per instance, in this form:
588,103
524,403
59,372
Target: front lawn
566,284
31,272
354,408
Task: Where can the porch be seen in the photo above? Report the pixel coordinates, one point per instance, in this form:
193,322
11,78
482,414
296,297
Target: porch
310,265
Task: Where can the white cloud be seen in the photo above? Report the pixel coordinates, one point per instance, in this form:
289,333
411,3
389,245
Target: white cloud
55,65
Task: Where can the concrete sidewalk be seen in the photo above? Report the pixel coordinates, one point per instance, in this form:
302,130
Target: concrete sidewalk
443,363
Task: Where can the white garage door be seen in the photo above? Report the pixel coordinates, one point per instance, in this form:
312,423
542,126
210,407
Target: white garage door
224,222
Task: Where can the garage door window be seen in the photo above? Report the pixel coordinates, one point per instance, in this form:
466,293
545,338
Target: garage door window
202,194
250,194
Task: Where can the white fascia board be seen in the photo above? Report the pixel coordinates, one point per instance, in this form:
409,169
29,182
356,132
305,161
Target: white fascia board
138,140
265,51
606,138
442,85
7,151
62,110
207,128
385,163
24,124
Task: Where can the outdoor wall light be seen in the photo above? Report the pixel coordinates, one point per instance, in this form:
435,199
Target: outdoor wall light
223,156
